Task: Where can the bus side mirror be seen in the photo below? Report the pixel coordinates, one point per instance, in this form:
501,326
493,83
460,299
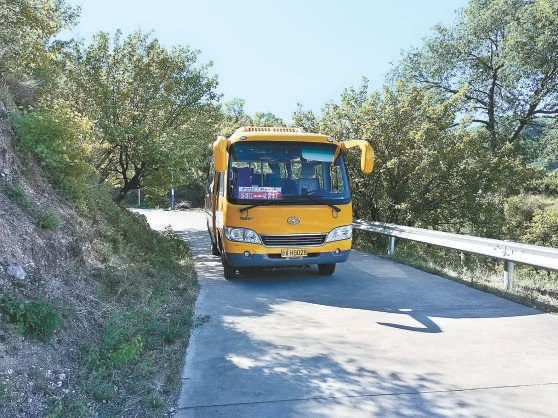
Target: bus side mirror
220,154
366,156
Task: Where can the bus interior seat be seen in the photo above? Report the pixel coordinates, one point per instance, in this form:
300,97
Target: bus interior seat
244,177
308,182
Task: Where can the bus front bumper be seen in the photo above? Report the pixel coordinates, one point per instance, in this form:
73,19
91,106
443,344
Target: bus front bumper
247,259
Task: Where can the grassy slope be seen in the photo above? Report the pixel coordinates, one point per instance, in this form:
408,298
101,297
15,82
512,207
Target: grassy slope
110,302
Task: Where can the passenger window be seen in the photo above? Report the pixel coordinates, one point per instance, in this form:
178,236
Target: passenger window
337,183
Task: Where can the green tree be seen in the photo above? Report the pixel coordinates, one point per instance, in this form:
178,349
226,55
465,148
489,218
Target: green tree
506,53
429,172
59,137
543,229
305,119
549,145
267,119
27,32
234,117
155,111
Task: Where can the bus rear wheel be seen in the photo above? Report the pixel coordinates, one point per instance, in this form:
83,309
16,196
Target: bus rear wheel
228,271
326,269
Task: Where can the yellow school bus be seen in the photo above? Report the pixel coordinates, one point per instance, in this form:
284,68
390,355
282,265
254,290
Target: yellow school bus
279,197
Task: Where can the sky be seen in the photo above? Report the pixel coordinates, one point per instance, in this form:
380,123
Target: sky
274,54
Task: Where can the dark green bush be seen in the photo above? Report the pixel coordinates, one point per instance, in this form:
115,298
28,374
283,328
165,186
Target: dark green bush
17,194
547,185
48,220
56,137
36,318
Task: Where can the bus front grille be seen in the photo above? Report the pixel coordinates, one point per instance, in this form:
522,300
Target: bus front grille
302,240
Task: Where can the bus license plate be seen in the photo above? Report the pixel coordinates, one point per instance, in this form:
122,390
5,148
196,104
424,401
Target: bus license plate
293,252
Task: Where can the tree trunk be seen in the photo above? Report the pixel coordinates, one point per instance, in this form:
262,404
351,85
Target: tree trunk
132,184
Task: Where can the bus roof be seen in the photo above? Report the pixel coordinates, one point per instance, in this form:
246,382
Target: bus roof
262,133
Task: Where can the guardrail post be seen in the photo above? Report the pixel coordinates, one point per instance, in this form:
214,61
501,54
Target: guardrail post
391,246
508,274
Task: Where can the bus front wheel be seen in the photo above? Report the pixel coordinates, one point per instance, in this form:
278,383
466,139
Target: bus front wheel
326,269
228,271
215,249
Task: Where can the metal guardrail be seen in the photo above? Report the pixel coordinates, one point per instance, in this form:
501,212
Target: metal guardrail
509,251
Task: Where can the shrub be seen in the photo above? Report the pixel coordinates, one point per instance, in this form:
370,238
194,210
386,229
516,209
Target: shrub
547,185
66,408
36,318
543,229
48,220
17,194
59,138
122,342
520,211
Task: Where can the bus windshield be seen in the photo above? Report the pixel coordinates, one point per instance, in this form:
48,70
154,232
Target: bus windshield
286,172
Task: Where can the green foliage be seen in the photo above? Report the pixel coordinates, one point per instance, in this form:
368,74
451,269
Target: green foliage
543,229
58,137
155,402
109,278
4,387
532,219
99,385
549,144
267,119
48,220
36,318
503,53
147,276
153,110
66,408
305,119
17,194
45,136
27,31
519,211
429,171
547,185
234,117
122,343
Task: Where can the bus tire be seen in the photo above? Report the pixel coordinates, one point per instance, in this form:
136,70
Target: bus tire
326,269
214,246
215,249
228,271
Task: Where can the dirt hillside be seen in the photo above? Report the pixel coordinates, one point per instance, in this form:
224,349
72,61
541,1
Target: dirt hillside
39,264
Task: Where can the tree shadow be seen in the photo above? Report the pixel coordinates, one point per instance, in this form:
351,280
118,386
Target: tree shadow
294,343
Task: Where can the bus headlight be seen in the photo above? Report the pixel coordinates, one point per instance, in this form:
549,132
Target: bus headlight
340,233
242,235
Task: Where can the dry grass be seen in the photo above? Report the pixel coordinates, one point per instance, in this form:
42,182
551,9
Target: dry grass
533,287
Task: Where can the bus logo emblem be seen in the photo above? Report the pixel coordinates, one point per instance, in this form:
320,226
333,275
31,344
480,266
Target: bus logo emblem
293,220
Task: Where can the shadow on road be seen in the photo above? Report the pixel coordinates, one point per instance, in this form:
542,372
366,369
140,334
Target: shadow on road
295,343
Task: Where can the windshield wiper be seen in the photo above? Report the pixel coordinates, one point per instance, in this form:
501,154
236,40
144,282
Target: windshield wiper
292,199
335,208
247,208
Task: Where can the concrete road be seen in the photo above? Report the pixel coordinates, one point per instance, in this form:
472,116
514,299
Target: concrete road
376,339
